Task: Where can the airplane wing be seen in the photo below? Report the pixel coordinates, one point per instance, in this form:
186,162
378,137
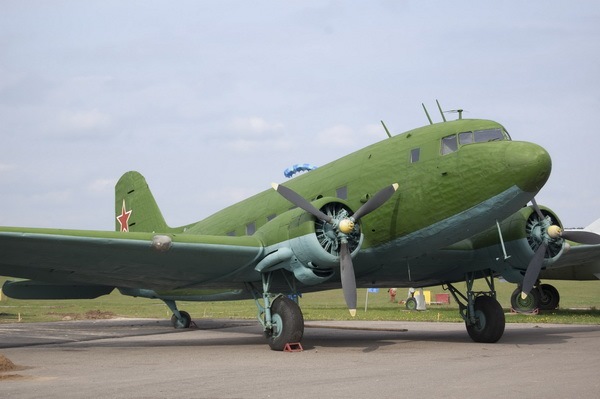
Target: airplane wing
579,255
120,259
581,262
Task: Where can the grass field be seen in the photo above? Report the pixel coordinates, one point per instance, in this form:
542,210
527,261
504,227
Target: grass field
580,304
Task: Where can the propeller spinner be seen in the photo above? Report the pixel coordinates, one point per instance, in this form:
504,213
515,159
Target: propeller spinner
343,226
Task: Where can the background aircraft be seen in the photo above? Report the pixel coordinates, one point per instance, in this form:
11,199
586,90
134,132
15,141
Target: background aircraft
417,209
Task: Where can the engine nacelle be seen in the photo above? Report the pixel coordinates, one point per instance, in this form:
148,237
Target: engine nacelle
523,233
312,249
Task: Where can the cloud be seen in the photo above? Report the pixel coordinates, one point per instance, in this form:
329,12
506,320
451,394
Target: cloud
53,197
302,85
101,185
83,120
253,133
6,167
255,124
338,135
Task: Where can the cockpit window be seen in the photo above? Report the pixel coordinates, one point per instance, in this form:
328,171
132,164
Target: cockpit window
449,144
465,138
483,136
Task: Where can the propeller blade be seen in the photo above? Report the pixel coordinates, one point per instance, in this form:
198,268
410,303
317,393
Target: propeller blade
376,201
537,209
581,236
533,270
348,279
300,202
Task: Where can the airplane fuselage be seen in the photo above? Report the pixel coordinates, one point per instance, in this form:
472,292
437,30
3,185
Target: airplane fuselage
451,187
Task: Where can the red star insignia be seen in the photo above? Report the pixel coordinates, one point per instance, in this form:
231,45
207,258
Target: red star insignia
123,218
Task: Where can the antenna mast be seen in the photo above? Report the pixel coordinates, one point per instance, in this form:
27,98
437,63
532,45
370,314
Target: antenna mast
427,113
386,129
441,112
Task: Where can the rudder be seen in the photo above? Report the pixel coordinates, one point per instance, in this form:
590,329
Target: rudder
135,207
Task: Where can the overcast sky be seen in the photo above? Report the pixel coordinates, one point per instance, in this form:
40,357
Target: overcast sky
211,101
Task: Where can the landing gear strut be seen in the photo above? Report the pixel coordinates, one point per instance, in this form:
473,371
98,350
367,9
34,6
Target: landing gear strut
281,317
483,315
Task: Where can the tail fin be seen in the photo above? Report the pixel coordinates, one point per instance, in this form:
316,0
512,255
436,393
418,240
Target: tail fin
135,207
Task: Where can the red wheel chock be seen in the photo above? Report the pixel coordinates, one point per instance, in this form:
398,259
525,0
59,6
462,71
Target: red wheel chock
293,347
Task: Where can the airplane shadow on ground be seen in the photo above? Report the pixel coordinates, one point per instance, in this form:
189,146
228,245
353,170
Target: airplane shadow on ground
249,333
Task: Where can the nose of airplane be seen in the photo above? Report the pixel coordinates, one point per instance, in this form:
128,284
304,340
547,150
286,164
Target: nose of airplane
530,165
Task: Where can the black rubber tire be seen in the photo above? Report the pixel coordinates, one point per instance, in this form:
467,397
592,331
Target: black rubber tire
490,320
179,324
550,298
288,323
411,304
526,305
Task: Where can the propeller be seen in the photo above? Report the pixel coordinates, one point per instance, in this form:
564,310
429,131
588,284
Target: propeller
551,232
348,279
537,209
581,236
300,202
344,227
533,270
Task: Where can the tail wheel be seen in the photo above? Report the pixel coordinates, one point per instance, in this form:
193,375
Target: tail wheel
288,323
490,321
185,321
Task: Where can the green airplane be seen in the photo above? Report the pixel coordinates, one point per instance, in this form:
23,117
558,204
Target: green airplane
414,210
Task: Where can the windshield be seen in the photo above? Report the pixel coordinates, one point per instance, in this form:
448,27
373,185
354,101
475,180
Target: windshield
450,145
482,136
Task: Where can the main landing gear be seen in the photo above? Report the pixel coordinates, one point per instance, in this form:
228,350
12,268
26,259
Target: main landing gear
281,317
483,315
542,297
